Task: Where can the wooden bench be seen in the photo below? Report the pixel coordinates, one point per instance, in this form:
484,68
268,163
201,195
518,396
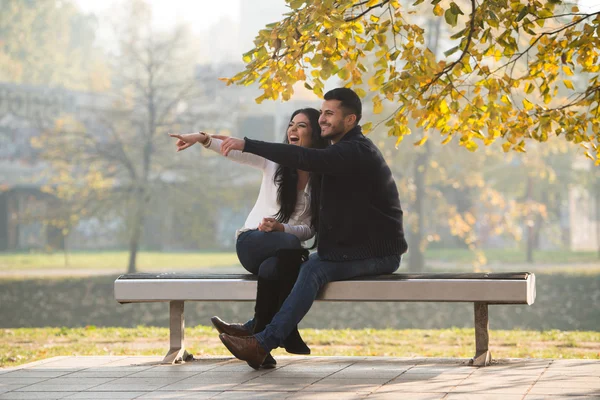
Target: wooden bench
481,289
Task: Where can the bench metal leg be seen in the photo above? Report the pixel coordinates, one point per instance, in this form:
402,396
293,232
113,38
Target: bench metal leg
177,352
483,357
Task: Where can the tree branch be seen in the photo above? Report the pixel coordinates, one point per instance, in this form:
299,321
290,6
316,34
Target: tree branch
363,13
465,51
549,33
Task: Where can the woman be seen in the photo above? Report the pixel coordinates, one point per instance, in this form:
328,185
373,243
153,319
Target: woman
284,216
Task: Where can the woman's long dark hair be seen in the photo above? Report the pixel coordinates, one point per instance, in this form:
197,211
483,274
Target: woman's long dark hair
286,178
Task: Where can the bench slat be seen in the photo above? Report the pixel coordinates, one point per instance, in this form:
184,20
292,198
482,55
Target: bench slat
394,277
397,287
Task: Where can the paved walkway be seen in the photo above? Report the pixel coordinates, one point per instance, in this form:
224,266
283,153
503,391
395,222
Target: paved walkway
322,378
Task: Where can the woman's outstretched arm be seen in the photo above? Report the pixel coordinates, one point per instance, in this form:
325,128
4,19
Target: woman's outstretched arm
187,140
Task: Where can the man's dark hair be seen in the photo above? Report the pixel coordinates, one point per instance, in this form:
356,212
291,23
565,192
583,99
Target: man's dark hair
351,103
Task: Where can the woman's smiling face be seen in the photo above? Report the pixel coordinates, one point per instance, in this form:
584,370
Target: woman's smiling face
299,132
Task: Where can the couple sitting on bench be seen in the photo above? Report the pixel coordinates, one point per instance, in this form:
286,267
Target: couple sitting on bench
326,180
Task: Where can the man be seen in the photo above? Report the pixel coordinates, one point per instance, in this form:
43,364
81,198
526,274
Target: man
360,222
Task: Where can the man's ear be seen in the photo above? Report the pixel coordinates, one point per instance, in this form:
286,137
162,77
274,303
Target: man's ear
351,119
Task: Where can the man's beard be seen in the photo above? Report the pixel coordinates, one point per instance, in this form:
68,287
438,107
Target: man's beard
334,131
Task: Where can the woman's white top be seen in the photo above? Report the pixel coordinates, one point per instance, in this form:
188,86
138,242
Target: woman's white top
266,204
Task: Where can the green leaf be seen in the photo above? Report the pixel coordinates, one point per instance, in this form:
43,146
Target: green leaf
296,4
451,17
344,74
545,13
459,34
493,19
451,51
523,13
456,9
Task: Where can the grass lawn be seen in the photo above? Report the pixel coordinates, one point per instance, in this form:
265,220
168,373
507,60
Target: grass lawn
162,261
117,260
512,256
24,345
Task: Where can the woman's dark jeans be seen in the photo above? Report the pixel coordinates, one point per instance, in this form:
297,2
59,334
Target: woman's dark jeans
257,251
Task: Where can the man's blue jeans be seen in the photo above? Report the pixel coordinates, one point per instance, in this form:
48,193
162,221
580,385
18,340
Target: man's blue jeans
314,274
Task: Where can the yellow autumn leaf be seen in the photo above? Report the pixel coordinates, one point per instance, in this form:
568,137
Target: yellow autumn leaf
377,106
471,145
359,27
567,70
443,107
421,142
527,104
398,141
569,84
529,88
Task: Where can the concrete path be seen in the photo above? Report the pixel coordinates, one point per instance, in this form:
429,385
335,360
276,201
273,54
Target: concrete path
322,378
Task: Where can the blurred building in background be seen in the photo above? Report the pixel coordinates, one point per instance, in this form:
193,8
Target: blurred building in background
24,112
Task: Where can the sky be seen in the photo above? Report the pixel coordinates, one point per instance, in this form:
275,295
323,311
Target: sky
201,14
218,23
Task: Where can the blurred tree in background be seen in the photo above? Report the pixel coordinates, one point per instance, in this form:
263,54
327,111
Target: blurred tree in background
115,159
111,159
49,43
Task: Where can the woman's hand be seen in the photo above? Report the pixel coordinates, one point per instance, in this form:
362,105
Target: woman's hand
186,140
270,225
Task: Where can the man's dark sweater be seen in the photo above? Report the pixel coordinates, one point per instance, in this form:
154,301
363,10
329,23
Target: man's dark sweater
360,215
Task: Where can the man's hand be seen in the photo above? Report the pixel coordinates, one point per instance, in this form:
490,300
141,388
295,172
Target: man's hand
270,225
232,144
186,140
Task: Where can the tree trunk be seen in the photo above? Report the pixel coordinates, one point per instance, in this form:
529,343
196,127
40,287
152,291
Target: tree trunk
416,259
529,223
416,256
597,196
143,195
66,253
136,231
